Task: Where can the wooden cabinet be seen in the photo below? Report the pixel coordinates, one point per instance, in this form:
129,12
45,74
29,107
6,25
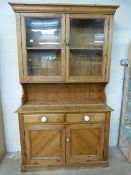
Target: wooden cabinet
49,140
64,47
64,54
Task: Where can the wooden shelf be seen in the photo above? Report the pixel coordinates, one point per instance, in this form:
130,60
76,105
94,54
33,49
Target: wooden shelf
92,102
78,48
43,48
72,48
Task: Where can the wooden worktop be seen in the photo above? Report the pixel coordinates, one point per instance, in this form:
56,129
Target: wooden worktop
64,108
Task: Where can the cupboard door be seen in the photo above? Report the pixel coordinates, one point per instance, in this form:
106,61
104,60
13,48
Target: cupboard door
84,142
43,48
86,47
45,144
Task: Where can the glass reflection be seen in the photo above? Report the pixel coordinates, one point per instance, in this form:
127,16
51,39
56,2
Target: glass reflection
43,32
87,33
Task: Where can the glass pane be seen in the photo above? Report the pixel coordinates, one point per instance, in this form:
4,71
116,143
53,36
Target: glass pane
44,63
86,47
85,63
43,41
43,32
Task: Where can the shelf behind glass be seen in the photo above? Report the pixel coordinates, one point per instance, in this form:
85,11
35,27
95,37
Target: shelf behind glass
85,62
44,63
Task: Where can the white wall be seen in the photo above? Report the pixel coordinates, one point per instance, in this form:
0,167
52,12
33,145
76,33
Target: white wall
11,90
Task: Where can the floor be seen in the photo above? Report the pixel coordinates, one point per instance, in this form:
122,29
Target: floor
118,166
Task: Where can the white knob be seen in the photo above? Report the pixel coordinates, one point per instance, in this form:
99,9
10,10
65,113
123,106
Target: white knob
43,119
86,118
67,139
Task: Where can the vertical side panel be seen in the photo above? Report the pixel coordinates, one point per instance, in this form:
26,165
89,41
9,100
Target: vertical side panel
19,45
105,47
110,32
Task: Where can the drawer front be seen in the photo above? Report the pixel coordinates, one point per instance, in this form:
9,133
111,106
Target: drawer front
85,117
44,118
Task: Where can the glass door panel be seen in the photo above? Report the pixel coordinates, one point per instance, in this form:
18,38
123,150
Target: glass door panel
86,48
87,33
44,50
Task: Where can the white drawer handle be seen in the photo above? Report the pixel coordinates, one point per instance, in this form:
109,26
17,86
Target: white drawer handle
43,119
86,118
67,139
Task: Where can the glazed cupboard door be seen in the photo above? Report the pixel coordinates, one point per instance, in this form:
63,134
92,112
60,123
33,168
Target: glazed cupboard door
43,47
45,144
86,47
84,142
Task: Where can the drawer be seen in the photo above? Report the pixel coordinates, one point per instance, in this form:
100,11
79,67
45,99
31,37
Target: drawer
44,118
85,117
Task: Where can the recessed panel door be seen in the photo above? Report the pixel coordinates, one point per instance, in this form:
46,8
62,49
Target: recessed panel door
45,144
84,142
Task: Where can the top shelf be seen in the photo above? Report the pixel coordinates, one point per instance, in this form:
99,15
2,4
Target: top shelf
72,48
79,48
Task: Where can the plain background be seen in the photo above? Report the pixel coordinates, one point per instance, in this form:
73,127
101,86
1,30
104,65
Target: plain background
9,78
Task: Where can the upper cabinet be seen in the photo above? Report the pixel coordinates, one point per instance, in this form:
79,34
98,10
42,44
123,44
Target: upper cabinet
63,45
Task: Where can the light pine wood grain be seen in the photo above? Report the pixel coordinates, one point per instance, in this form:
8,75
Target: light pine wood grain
69,8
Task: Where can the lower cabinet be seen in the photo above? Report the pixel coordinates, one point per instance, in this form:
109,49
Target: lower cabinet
64,139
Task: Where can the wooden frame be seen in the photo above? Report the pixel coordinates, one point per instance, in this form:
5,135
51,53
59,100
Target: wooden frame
43,78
